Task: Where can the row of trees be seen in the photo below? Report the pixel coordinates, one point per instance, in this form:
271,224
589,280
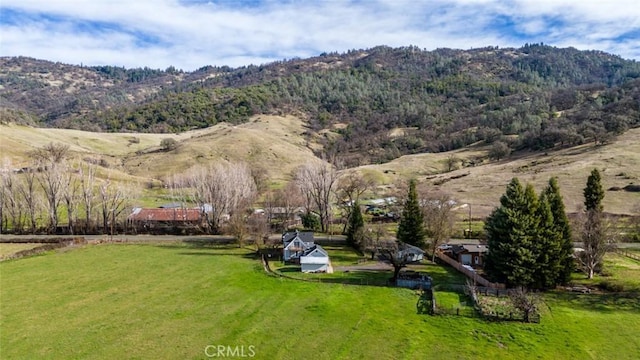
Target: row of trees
530,238
55,189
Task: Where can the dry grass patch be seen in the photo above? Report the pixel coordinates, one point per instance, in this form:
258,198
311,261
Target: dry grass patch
7,249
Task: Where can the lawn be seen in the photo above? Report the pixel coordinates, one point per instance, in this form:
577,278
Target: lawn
619,272
12,248
171,301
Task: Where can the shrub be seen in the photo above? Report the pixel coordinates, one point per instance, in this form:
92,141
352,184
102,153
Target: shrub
611,286
169,144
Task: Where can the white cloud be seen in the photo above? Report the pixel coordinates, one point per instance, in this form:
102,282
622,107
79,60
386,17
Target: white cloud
189,35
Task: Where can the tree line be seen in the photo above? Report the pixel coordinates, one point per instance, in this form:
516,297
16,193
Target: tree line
530,238
56,190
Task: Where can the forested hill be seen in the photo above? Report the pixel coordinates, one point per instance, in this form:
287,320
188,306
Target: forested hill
377,104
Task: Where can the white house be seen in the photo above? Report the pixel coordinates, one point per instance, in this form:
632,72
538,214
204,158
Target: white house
315,259
300,246
413,253
295,243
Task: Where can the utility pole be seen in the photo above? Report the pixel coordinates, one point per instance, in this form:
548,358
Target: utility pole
469,230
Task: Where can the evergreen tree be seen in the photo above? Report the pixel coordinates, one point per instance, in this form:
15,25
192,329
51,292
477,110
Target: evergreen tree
356,226
593,193
561,227
411,228
548,246
512,232
594,231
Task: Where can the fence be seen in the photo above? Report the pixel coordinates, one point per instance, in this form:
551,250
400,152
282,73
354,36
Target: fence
477,279
628,254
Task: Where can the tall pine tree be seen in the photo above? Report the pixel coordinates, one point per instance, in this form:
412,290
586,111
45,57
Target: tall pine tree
512,233
548,246
593,193
529,238
562,228
594,232
411,227
355,227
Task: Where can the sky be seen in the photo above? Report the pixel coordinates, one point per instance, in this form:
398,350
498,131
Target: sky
191,34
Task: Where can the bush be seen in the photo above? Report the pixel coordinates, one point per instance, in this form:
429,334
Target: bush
169,144
611,286
632,188
310,221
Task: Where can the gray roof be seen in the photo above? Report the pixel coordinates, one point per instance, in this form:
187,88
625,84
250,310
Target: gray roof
305,236
313,248
470,248
404,247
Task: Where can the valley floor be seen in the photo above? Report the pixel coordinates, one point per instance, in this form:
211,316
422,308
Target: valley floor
170,300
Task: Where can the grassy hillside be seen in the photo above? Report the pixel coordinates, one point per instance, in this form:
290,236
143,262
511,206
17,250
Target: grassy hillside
171,301
278,144
482,185
274,143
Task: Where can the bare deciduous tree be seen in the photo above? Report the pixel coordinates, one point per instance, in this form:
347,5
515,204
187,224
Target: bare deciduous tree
51,181
259,229
226,187
349,188
31,198
598,235
281,204
373,237
50,163
238,226
113,201
451,163
525,302
71,196
52,153
87,177
316,181
397,258
12,206
439,218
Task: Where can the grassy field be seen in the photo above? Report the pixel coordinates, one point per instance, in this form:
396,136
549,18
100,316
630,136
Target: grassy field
620,272
171,301
9,248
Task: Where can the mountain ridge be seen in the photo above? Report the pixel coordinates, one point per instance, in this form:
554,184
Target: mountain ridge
534,97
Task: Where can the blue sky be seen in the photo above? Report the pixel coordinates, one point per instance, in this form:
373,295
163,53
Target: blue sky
191,34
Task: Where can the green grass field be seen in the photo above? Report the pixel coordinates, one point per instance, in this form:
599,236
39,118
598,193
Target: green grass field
170,301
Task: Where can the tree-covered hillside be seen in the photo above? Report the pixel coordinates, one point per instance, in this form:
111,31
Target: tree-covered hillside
378,103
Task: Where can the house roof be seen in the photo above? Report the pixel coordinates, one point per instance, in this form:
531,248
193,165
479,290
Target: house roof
310,256
284,210
305,236
410,249
140,214
470,248
317,248
173,205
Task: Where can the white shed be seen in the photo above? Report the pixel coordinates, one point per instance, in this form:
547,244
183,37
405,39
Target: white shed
315,260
